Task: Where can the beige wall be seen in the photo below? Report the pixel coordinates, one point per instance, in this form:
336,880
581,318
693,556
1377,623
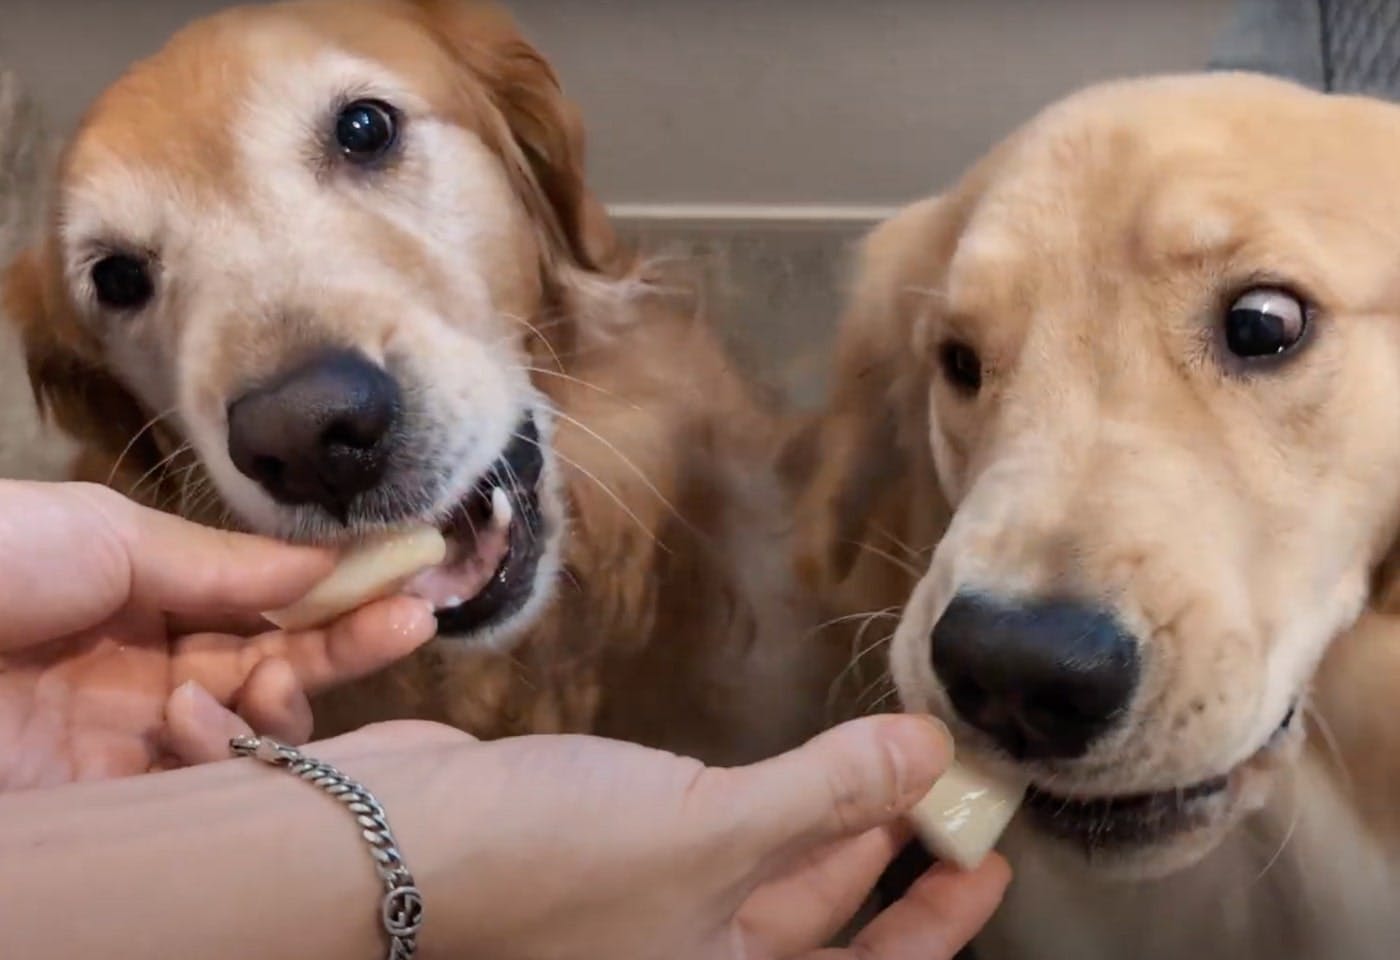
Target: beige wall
864,102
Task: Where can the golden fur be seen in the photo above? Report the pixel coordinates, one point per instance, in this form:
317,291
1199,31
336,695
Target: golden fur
1238,517
673,619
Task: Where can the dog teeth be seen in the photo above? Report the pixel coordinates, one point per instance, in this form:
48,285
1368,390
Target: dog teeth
451,603
501,510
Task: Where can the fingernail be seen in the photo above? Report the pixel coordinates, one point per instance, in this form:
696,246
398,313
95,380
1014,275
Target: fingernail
286,678
940,728
205,711
917,759
419,619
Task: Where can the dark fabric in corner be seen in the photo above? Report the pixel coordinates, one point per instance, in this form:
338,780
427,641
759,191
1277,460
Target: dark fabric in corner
1342,46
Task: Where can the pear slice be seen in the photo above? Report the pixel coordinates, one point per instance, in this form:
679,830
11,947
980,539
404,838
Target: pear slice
371,571
961,819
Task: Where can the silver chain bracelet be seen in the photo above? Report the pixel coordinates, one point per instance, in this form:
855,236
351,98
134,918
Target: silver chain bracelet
401,910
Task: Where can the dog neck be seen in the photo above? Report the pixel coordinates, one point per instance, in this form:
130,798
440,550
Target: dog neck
1302,877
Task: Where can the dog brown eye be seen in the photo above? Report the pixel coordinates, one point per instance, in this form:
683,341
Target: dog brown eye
122,282
1264,322
366,130
961,366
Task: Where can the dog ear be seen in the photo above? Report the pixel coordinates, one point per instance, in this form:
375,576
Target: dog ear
70,383
543,140
873,433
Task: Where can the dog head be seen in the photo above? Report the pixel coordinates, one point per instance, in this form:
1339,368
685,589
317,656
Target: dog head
1148,355
314,249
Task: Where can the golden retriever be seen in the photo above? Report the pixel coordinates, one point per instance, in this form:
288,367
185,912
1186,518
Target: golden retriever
321,268
1118,416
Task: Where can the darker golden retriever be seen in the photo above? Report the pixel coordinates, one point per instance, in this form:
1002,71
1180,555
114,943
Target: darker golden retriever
323,268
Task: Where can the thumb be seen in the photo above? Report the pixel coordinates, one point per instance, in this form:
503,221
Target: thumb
184,567
851,778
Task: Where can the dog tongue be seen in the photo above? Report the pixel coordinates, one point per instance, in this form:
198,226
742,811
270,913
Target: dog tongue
469,567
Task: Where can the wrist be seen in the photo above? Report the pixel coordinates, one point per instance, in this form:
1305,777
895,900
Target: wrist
433,787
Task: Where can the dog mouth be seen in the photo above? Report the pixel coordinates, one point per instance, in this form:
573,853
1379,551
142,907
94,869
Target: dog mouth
496,537
1125,822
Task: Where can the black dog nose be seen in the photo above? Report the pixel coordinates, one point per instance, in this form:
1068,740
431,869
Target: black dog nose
319,433
1043,678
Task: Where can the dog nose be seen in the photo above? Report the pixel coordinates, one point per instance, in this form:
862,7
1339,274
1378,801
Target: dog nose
1043,679
319,433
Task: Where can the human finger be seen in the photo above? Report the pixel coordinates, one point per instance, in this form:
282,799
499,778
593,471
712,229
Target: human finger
198,727
274,703
185,568
935,919
354,646
820,892
851,778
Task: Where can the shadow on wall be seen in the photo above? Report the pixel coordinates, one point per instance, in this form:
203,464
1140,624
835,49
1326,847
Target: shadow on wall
28,450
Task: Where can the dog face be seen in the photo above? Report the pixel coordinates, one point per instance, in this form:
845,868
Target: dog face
1150,350
311,243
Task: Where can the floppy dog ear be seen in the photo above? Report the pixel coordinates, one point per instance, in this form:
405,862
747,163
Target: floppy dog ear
545,140
70,383
873,434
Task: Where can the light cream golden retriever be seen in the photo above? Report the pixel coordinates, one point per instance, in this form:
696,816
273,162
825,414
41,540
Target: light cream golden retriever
322,268
1119,417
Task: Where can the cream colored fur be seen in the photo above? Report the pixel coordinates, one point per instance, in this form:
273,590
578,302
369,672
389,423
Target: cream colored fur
1237,517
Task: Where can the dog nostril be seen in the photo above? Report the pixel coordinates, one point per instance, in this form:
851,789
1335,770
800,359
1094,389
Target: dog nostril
1060,707
348,432
268,469
971,696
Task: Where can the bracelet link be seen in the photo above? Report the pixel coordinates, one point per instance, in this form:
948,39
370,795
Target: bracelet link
401,908
265,749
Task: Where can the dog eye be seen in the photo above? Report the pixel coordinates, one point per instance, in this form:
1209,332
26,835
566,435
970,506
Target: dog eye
1264,322
122,282
961,366
366,130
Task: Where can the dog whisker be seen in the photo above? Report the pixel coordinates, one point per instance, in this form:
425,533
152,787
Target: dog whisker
1329,740
1287,836
611,494
207,496
636,408
873,694
904,565
858,654
827,624
915,556
883,685
157,473
135,438
638,473
538,333
879,704
188,482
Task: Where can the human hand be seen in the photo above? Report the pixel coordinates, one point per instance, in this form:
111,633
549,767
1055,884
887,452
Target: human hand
117,619
577,847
